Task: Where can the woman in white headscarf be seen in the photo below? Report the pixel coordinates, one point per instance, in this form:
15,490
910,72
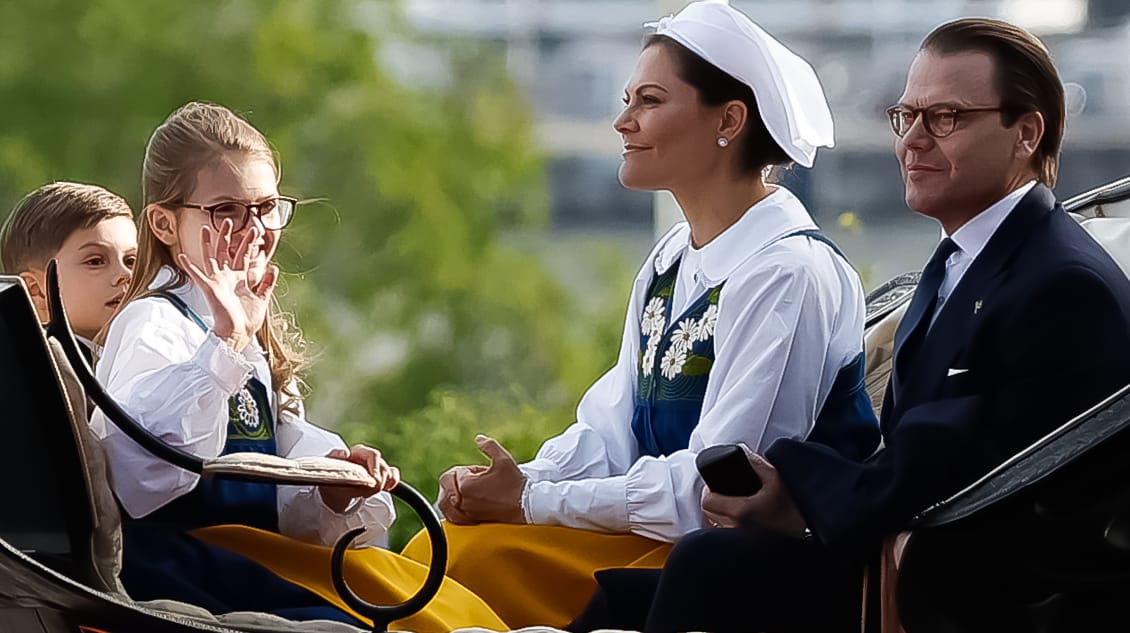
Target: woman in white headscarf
745,325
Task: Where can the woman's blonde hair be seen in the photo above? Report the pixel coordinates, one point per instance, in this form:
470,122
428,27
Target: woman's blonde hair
194,137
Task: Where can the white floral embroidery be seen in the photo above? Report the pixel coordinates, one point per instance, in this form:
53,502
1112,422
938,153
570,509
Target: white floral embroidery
654,321
685,335
248,410
707,323
673,361
649,355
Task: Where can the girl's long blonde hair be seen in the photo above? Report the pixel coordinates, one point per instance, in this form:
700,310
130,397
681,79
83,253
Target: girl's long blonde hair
192,138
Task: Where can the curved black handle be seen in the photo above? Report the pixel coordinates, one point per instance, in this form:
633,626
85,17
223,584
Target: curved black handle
59,328
382,616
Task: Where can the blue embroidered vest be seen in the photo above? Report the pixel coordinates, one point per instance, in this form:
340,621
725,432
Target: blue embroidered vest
218,501
674,366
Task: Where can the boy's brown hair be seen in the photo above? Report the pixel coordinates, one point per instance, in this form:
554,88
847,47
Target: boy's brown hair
41,222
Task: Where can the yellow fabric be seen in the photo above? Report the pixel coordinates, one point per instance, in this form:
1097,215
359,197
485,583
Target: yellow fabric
535,574
379,576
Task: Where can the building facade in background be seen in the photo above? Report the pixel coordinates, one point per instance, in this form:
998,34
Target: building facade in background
573,57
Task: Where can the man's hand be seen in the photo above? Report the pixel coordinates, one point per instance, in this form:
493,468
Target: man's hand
771,507
338,498
484,494
450,498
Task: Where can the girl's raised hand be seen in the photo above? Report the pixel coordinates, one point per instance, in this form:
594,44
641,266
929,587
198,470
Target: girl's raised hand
239,305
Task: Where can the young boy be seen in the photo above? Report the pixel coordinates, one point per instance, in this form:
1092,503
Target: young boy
90,232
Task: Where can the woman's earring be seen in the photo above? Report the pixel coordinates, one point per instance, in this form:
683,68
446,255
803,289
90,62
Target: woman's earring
722,141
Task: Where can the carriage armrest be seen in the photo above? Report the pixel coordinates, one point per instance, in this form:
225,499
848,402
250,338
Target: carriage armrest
303,471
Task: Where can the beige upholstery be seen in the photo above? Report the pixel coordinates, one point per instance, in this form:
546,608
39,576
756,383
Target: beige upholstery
314,470
106,540
1114,235
879,352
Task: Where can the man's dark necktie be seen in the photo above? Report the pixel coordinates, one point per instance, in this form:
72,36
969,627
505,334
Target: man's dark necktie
921,310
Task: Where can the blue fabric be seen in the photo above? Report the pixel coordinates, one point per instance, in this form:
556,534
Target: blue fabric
914,325
163,562
668,408
847,420
220,501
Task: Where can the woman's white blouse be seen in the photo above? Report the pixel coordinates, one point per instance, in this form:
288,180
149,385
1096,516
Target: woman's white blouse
790,317
176,380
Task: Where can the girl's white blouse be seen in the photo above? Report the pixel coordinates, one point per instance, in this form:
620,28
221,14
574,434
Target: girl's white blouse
790,317
176,379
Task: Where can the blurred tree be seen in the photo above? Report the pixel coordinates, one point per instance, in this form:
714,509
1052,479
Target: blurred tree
428,329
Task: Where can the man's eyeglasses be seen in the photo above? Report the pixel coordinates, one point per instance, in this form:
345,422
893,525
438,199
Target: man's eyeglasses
274,213
939,120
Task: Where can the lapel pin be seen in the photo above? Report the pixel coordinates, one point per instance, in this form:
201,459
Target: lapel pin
977,306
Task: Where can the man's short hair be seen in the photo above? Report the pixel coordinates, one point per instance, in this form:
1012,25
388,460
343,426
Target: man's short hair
1026,78
41,222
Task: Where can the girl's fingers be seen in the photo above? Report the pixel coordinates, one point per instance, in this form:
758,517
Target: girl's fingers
199,277
223,245
195,273
208,249
243,252
267,284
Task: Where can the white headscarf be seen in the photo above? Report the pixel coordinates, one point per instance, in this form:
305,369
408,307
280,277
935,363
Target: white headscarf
789,96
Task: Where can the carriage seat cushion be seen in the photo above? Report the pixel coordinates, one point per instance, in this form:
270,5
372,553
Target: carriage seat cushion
1114,236
106,539
879,355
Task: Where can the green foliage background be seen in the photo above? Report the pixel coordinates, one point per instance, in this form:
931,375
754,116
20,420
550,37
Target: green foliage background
428,326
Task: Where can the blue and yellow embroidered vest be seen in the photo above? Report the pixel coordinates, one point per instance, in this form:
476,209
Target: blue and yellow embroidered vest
675,359
674,364
218,501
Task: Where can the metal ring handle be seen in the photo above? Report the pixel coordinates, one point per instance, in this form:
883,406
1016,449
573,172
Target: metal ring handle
382,615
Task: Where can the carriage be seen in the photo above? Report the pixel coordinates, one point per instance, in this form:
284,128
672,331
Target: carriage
1049,526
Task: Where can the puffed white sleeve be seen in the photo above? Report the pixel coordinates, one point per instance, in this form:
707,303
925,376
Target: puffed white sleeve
302,514
175,380
771,342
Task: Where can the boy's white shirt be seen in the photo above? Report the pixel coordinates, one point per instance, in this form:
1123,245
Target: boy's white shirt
176,380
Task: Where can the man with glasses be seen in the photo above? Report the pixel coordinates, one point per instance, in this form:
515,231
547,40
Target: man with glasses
1020,322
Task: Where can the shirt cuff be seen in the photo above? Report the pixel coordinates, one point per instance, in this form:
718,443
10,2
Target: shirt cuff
366,513
590,504
227,367
526,502
539,469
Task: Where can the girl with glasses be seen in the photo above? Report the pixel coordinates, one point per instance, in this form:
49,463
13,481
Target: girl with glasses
199,354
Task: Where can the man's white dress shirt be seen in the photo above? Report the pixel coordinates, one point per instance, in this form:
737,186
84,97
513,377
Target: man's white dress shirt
971,239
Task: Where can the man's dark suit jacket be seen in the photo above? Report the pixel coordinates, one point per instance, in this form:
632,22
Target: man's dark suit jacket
1036,332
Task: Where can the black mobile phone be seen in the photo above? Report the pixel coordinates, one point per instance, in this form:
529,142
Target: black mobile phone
726,470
